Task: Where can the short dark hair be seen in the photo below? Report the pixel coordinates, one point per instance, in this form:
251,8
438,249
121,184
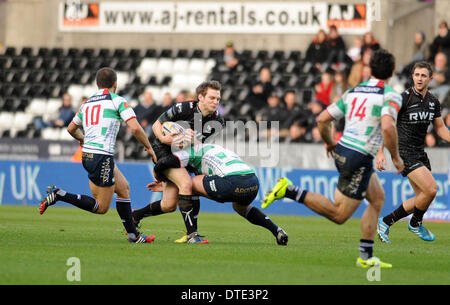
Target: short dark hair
106,77
382,64
203,87
423,64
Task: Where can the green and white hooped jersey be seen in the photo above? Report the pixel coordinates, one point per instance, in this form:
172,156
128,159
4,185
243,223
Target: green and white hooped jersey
211,159
100,117
363,106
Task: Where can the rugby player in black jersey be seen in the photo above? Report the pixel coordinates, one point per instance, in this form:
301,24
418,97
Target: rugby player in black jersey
419,109
197,114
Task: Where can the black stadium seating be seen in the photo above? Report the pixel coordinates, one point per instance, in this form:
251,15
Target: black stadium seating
46,73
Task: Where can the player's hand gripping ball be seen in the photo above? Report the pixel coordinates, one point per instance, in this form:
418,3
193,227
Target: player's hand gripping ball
180,137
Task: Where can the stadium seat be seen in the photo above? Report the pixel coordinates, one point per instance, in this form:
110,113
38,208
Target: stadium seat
21,120
197,66
180,80
10,51
164,66
44,52
37,106
6,120
50,133
74,52
27,52
180,65
64,135
57,52
151,53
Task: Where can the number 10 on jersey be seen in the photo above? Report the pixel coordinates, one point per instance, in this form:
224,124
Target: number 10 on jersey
95,115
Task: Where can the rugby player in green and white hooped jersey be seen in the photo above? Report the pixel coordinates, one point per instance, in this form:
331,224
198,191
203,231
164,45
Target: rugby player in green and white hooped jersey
370,111
221,176
100,117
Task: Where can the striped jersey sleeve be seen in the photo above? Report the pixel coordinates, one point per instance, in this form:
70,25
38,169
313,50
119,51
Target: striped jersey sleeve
392,103
124,109
337,110
78,118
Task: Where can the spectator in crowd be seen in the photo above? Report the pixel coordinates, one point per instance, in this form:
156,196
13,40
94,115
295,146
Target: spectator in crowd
261,89
369,42
420,47
355,51
230,59
356,72
337,48
272,112
317,138
419,53
440,83
340,86
65,112
182,96
441,42
324,88
318,51
147,111
167,102
293,112
298,132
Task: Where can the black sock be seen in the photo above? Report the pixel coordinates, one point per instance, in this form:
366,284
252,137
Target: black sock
186,209
256,217
365,248
84,202
416,219
295,193
395,216
195,210
123,207
151,209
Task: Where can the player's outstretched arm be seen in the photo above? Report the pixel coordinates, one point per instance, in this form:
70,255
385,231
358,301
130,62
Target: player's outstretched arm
390,137
381,159
324,124
139,133
75,132
442,131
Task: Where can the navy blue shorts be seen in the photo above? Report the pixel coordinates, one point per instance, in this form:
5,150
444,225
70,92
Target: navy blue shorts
100,168
355,170
241,189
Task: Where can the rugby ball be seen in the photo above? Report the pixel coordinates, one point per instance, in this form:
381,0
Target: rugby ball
171,127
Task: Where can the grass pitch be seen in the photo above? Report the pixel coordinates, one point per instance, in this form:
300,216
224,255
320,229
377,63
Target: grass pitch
34,249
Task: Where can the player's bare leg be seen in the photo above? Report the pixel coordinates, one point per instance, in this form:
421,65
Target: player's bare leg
338,212
123,207
425,189
375,196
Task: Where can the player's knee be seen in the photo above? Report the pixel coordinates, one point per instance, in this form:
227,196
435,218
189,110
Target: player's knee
168,207
123,191
240,209
102,209
340,219
185,186
431,191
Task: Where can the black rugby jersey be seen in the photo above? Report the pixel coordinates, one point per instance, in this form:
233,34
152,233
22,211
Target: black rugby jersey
415,116
190,113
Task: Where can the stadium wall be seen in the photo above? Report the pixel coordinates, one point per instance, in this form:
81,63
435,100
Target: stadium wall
25,182
35,23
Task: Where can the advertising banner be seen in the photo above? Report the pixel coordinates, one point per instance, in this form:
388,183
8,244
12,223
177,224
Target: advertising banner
25,183
213,17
